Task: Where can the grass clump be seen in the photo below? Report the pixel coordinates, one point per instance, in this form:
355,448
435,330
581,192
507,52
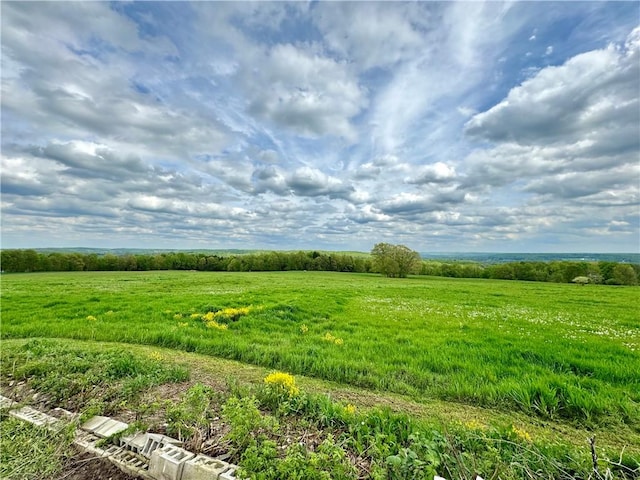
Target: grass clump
29,452
76,377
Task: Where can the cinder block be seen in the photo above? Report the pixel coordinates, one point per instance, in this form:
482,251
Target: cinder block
110,427
132,462
30,415
135,443
229,474
168,462
88,442
203,467
155,441
112,450
62,413
93,423
6,402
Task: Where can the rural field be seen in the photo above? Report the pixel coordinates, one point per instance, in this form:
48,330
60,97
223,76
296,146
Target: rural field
506,379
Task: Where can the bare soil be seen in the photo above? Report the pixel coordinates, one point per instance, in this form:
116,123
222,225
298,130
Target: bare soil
89,467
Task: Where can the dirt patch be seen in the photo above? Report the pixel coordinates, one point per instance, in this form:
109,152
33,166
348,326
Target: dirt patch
89,467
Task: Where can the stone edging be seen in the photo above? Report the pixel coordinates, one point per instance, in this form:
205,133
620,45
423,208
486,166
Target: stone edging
148,455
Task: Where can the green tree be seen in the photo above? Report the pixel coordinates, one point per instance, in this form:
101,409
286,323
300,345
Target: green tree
395,260
624,274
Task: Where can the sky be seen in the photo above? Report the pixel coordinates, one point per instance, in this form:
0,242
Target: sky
443,126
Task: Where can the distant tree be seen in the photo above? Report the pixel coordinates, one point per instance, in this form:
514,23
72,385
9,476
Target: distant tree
581,280
395,260
624,274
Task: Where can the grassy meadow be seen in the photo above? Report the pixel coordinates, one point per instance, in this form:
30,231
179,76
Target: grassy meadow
551,350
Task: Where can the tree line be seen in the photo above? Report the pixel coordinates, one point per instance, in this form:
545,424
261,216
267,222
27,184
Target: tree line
612,273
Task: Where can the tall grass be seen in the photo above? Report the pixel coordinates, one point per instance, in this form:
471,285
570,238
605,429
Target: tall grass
551,350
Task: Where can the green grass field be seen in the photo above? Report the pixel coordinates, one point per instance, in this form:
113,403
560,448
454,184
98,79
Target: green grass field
559,361
556,351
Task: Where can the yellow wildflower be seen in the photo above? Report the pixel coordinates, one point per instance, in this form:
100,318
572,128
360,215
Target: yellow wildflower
157,356
177,316
216,325
521,434
474,425
350,409
232,313
283,383
331,339
91,318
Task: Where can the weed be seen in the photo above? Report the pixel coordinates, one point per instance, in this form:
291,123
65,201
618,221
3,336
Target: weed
282,384
191,413
247,423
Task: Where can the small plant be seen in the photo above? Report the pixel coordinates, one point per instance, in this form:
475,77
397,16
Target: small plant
521,434
191,413
303,329
246,422
282,384
226,314
331,339
156,356
216,325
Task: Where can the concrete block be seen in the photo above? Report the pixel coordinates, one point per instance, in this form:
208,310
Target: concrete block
6,402
112,450
155,441
131,463
168,462
203,467
31,415
135,442
87,441
110,427
93,423
229,474
62,413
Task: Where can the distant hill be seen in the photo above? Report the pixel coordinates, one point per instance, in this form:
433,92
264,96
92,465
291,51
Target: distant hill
489,258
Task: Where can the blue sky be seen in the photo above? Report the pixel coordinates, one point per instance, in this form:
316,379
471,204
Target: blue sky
444,126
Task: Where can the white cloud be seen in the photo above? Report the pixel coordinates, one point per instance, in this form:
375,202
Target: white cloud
591,96
372,34
438,172
307,93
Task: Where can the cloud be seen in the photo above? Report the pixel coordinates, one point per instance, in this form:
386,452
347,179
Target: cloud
372,34
592,95
87,159
567,137
303,91
438,172
414,203
82,85
310,182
